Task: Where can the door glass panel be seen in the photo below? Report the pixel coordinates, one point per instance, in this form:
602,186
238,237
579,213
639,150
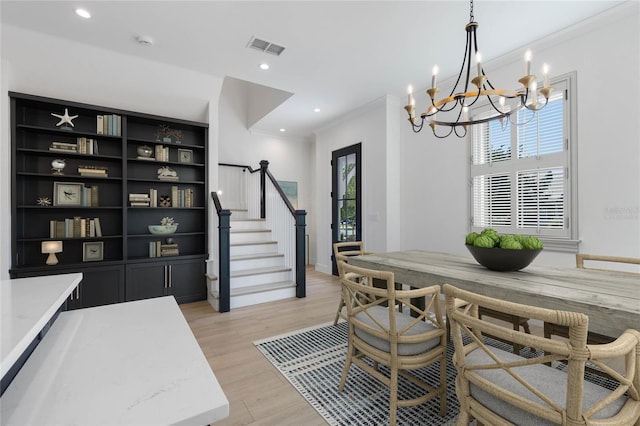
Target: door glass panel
346,197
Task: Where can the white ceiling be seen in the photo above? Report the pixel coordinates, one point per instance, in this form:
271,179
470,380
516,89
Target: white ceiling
339,54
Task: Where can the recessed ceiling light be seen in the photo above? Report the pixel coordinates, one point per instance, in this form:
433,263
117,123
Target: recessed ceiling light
83,13
316,110
144,40
264,66
282,130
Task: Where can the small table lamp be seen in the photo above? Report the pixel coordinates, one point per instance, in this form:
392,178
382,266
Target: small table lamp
52,247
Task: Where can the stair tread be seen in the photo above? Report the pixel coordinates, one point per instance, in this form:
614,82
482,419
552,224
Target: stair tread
247,231
247,220
252,243
255,256
258,271
257,288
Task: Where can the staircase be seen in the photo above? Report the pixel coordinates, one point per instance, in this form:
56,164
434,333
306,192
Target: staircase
257,270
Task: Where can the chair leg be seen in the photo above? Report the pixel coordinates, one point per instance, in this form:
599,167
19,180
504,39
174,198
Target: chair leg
443,384
340,306
393,397
345,369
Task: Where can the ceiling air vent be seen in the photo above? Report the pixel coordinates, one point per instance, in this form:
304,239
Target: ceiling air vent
265,46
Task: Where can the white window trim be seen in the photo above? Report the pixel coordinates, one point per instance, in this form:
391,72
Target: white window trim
569,244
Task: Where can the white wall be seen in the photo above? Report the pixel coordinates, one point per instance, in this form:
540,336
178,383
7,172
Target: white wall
48,66
604,53
290,158
368,126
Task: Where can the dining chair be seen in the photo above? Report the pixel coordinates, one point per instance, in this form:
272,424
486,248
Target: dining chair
400,340
497,387
341,252
515,321
551,329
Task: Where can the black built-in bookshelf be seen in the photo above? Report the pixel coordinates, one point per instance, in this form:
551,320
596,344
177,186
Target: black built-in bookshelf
89,209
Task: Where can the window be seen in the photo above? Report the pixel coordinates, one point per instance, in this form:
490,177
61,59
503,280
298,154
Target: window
523,176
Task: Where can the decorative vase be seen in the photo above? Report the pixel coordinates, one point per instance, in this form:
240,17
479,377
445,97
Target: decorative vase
145,151
57,166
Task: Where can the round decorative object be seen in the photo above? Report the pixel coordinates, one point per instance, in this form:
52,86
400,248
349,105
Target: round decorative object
499,259
169,240
145,151
162,229
58,165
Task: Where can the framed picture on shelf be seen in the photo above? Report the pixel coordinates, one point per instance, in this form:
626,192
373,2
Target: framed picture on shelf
185,155
93,251
67,194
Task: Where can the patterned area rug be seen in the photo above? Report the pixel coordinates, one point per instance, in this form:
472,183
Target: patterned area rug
312,360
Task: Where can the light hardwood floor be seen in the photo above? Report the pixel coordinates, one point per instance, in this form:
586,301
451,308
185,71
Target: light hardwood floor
258,394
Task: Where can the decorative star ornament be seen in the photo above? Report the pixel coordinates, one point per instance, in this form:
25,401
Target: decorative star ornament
64,118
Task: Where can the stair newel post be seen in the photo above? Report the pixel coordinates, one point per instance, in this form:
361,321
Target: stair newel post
224,218
264,164
301,276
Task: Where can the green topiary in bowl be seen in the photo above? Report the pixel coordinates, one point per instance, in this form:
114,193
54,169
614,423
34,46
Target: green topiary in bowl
502,252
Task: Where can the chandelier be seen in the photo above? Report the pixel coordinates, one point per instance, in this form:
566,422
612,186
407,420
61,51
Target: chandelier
453,111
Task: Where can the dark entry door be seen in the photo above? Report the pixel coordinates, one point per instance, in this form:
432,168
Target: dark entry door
346,196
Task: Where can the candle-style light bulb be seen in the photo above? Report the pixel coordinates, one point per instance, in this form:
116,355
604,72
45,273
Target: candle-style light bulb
545,73
479,63
527,62
534,93
434,75
501,103
410,95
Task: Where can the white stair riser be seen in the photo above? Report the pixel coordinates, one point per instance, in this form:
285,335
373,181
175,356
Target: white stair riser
248,224
262,297
273,277
253,249
262,262
247,237
239,215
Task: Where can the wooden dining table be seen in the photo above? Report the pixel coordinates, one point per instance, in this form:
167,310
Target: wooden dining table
610,299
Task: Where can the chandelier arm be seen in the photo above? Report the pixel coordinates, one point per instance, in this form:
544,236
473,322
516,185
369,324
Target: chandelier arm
524,123
433,127
546,100
464,61
442,108
455,129
416,128
476,99
468,50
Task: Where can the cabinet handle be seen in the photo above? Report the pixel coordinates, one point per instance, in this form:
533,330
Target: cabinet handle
165,276
78,292
170,276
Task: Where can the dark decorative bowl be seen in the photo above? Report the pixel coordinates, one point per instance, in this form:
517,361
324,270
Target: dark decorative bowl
499,259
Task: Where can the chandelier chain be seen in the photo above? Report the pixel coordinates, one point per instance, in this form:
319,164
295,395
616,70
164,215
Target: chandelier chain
471,17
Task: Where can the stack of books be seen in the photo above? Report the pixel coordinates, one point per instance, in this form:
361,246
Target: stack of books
87,146
76,227
93,171
181,198
63,147
162,153
139,200
90,196
109,125
160,249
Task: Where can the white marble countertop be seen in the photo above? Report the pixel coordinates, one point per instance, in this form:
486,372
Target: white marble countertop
134,363
27,305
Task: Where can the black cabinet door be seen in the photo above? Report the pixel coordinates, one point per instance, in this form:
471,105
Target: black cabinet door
145,280
187,280
102,286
